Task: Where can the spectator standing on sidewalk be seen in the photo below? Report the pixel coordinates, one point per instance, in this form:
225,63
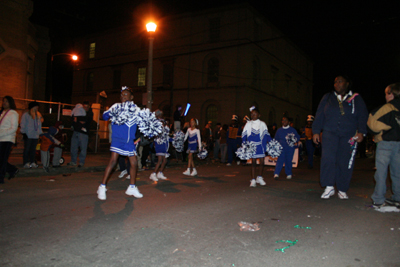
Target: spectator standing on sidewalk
31,128
216,137
385,124
222,142
80,136
8,129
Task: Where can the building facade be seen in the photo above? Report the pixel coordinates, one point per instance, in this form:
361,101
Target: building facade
222,61
23,53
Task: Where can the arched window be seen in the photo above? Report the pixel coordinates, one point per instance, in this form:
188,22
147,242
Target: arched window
213,70
212,114
89,81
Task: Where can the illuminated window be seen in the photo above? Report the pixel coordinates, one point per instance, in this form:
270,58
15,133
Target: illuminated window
92,50
141,76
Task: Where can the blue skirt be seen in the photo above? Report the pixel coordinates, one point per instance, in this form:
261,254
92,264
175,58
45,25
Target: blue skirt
161,149
124,149
192,148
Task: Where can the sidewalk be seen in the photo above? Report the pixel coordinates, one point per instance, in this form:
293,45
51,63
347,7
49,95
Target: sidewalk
95,162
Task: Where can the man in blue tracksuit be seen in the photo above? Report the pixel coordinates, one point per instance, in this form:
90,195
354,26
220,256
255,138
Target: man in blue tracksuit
342,118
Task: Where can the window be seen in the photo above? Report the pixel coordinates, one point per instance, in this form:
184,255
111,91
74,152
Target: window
168,75
89,81
274,78
215,27
212,113
117,79
141,76
92,50
213,70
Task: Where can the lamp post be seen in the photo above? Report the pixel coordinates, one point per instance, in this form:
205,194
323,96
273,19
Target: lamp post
73,57
151,28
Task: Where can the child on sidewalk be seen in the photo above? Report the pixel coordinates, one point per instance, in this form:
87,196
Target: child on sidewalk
125,118
288,137
161,145
47,140
194,145
256,132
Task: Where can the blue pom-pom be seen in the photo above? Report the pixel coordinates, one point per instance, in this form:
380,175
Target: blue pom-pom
274,148
202,153
178,141
149,125
246,151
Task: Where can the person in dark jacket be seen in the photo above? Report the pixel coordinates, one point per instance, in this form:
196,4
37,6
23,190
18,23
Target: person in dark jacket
384,122
342,118
80,137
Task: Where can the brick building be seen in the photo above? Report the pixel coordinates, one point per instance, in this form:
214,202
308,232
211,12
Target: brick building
221,61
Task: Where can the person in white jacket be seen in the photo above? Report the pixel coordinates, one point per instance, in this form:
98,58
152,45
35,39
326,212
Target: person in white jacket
8,128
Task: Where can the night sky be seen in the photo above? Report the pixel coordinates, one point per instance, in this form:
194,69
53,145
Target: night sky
358,38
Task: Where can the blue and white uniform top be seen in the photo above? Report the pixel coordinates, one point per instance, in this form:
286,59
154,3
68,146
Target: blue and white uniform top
124,118
288,137
257,133
161,142
194,141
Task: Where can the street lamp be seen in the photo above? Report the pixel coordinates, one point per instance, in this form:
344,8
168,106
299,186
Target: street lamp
151,28
73,57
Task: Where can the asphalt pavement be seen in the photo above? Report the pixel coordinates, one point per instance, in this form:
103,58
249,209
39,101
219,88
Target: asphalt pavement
55,219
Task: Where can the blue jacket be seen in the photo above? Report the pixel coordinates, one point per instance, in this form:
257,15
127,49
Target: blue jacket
329,117
287,137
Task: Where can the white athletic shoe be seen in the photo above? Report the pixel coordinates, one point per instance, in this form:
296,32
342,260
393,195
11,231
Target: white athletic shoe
101,192
122,174
153,177
342,195
238,163
161,176
128,177
194,172
260,180
289,177
187,172
253,183
329,191
34,165
133,191
27,166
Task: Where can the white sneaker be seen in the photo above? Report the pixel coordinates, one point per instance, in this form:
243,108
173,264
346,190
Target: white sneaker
101,192
27,166
187,172
161,176
342,195
153,177
238,163
133,191
260,180
194,172
128,177
122,174
228,164
253,183
276,176
34,165
329,191
289,177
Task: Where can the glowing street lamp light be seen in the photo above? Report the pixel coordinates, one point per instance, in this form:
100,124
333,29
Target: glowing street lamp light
151,28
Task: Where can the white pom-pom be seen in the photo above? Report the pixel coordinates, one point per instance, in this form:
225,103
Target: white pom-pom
291,139
274,148
149,125
178,141
121,113
246,151
202,153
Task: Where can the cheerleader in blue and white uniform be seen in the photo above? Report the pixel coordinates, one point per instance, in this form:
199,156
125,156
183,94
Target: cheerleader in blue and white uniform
125,118
194,145
256,132
289,138
161,145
